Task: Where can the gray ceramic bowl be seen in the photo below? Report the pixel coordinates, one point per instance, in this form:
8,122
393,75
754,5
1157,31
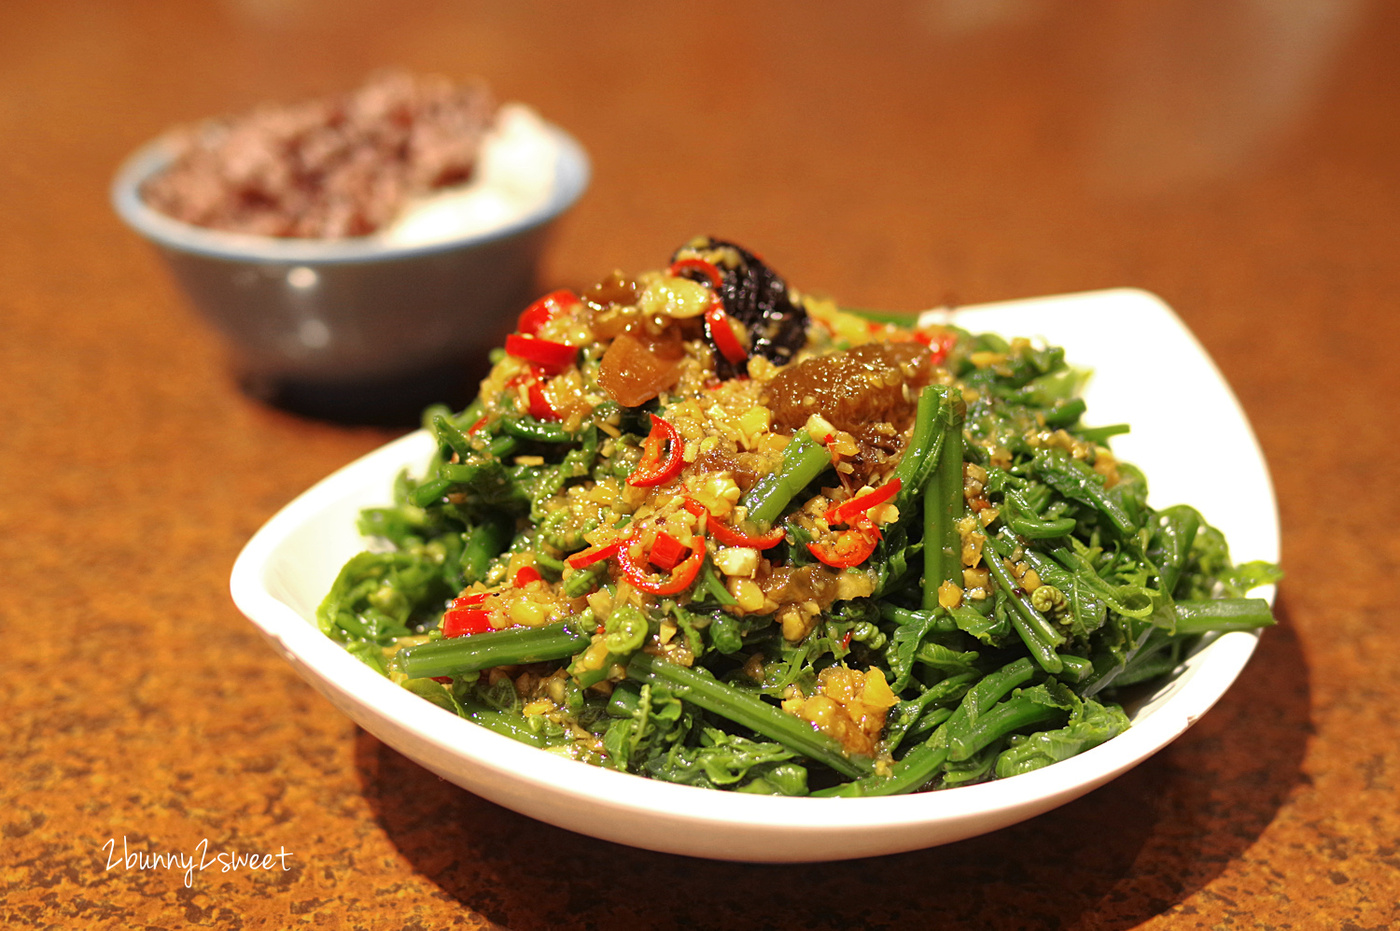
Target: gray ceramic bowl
323,314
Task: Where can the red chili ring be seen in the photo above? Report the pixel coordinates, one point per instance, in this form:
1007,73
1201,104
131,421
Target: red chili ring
680,579
708,269
653,470
717,321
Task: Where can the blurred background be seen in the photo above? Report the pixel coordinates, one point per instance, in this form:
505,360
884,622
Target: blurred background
941,150
1236,157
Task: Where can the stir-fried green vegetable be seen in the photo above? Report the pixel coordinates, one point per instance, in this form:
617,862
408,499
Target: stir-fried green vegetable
700,528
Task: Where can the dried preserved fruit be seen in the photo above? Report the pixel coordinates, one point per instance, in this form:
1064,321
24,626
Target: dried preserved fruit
873,383
638,366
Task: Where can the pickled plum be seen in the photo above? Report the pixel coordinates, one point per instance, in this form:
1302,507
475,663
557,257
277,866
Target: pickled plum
873,383
638,366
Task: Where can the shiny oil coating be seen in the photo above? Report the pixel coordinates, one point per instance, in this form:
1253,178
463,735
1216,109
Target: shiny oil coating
1240,160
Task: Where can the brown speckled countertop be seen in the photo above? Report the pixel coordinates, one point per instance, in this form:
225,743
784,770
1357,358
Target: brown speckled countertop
1240,160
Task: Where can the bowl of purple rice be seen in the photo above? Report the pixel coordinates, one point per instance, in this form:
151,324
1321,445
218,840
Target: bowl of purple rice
359,253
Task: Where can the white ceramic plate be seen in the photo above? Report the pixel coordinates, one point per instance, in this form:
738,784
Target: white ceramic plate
1188,429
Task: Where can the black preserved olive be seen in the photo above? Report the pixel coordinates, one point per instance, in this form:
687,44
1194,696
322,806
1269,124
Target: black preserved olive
754,295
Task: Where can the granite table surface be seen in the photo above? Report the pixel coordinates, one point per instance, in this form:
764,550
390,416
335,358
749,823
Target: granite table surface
1240,160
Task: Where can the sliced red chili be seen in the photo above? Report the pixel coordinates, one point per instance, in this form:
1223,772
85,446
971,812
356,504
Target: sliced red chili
707,269
466,616
939,344
585,558
666,551
540,408
525,575
662,456
722,334
726,535
851,547
546,353
681,578
946,342
848,511
539,313
462,622
467,601
479,424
